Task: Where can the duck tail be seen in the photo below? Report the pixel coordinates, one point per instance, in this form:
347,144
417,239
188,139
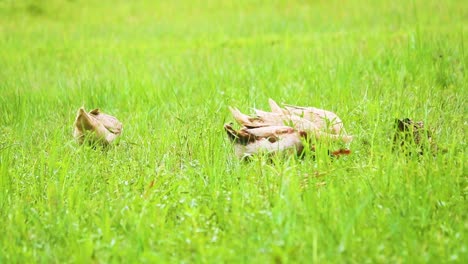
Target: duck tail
232,134
241,118
238,136
275,108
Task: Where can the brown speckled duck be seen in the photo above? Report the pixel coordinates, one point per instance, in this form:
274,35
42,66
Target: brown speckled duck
285,129
96,127
322,119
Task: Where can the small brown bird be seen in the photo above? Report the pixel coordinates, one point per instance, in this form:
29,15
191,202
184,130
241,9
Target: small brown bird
411,136
96,127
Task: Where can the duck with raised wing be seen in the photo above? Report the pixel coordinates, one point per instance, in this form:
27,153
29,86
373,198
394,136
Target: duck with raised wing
320,123
283,130
96,127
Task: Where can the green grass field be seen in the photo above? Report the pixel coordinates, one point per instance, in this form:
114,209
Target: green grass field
172,190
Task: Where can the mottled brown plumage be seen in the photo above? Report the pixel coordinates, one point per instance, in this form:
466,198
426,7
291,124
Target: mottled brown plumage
412,137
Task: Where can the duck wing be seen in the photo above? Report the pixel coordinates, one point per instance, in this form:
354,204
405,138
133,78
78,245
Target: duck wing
318,123
238,136
322,119
294,121
325,120
258,121
109,122
275,108
265,119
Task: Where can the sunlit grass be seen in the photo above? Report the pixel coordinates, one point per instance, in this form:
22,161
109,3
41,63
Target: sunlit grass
172,190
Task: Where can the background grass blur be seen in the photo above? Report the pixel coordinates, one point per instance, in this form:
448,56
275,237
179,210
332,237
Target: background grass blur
172,191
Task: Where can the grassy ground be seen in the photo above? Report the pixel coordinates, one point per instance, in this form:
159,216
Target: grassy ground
172,191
